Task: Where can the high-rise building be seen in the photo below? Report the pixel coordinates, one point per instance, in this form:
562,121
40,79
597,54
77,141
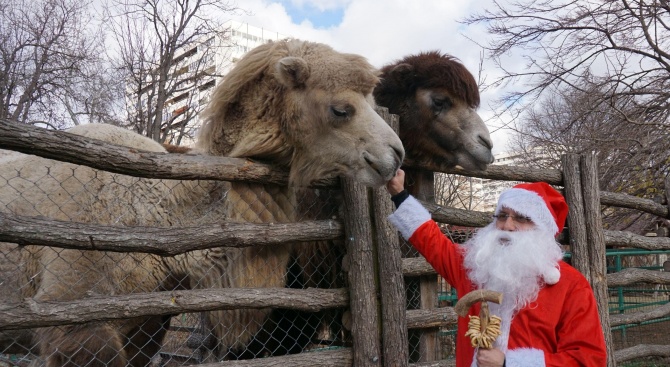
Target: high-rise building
201,66
482,194
490,190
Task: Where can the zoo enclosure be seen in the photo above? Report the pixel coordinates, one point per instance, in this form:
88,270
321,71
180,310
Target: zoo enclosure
366,251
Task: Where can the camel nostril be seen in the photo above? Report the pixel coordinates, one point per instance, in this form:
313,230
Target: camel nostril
486,142
399,153
368,161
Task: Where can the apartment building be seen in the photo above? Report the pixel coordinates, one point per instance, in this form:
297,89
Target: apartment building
485,192
199,68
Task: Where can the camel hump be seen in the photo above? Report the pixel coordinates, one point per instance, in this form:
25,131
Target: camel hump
117,135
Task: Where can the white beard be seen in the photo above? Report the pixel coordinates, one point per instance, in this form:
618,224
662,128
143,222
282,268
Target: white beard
514,263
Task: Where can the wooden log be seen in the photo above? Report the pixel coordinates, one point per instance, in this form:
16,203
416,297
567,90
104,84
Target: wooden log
431,318
441,363
496,172
629,239
596,248
416,266
98,154
632,276
627,201
391,283
421,184
361,270
165,241
31,313
326,358
575,221
458,217
641,316
641,351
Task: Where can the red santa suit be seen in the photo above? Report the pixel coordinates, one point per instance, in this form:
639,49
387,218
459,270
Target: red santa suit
560,328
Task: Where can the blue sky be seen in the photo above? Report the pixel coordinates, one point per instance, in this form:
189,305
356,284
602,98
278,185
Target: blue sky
320,18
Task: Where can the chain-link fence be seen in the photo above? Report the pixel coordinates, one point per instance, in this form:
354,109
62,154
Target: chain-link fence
36,187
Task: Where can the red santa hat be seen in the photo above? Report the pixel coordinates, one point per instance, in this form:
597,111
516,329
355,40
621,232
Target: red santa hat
545,206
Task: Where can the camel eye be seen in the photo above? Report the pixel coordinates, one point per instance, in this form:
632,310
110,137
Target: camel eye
339,112
440,104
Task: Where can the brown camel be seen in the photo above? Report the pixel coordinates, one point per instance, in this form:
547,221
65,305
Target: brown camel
300,105
436,97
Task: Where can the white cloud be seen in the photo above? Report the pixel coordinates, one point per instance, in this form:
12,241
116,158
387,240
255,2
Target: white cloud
322,5
386,30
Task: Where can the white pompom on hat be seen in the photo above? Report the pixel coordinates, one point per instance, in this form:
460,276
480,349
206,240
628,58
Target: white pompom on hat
545,206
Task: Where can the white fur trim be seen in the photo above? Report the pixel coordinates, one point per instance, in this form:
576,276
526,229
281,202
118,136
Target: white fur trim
530,204
524,357
409,216
552,276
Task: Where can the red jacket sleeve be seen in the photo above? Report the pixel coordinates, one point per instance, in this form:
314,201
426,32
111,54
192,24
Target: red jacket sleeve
441,253
415,224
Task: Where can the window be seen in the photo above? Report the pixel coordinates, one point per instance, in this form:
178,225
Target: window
207,85
179,98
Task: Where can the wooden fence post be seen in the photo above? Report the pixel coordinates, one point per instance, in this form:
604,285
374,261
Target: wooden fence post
421,184
597,250
587,240
391,282
361,270
572,184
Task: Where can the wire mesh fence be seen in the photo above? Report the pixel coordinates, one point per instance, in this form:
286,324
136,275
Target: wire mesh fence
36,187
641,297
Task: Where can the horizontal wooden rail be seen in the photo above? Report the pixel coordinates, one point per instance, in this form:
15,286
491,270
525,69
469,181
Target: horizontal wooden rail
498,172
321,358
31,313
431,318
166,241
628,239
640,316
631,276
99,154
640,351
441,363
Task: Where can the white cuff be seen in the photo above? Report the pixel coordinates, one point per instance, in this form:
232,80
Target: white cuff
409,216
524,357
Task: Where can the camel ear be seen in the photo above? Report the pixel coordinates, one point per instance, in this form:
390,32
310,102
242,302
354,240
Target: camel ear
402,73
292,71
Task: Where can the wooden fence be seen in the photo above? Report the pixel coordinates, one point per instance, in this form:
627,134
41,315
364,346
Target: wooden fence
379,319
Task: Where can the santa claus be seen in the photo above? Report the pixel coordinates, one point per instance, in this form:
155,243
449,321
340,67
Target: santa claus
549,314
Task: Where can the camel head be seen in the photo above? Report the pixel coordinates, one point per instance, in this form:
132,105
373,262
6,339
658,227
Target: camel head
304,106
435,97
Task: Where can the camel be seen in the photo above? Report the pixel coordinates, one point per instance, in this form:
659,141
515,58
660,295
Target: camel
436,97
296,104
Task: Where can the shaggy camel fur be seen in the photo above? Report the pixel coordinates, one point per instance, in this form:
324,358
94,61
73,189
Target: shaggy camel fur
296,104
435,97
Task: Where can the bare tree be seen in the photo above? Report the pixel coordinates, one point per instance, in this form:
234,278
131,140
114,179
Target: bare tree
573,121
457,191
594,77
165,48
46,51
